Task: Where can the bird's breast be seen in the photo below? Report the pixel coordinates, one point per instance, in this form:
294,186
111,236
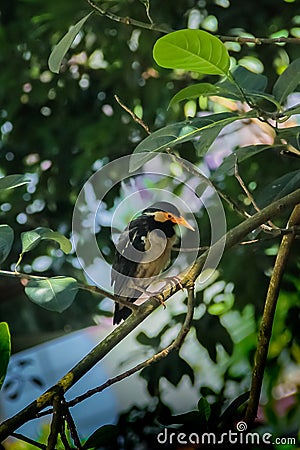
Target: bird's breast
157,254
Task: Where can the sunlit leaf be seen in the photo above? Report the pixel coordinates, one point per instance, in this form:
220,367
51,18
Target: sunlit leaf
60,49
53,294
13,181
221,307
194,50
287,82
6,241
30,239
5,349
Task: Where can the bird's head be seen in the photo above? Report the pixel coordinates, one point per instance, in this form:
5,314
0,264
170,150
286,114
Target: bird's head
164,212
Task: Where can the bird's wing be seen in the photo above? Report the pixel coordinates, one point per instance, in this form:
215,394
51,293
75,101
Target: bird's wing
131,239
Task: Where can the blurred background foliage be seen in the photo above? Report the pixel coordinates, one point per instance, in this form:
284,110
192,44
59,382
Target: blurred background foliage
59,129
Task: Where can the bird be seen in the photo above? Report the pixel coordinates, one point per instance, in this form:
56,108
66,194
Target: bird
143,251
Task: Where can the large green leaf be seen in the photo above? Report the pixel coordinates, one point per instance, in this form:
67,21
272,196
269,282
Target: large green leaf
30,239
205,128
6,241
287,82
5,349
13,181
53,294
194,50
60,49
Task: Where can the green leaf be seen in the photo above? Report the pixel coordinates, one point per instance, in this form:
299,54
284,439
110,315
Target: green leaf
291,135
221,307
194,50
291,111
239,155
195,91
266,102
204,409
13,181
138,159
104,436
278,188
53,294
244,80
234,406
248,80
5,350
287,82
6,241
60,49
180,132
209,135
30,239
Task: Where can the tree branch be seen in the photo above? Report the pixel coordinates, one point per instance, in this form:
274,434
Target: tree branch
176,344
28,440
266,325
127,20
187,277
165,29
56,423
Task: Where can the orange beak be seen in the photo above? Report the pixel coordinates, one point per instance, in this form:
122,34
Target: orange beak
181,221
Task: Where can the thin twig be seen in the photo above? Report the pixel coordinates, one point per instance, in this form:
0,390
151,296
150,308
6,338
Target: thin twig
64,438
94,289
191,169
259,41
133,115
128,20
28,440
71,425
266,325
250,196
176,344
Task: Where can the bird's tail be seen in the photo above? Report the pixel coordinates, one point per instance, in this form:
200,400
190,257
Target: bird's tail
121,312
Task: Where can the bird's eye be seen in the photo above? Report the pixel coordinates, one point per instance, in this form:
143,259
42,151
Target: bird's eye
169,216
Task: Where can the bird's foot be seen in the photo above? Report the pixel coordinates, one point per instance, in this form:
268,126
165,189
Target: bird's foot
173,282
155,294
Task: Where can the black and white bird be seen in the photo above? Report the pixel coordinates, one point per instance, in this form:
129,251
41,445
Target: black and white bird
142,252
